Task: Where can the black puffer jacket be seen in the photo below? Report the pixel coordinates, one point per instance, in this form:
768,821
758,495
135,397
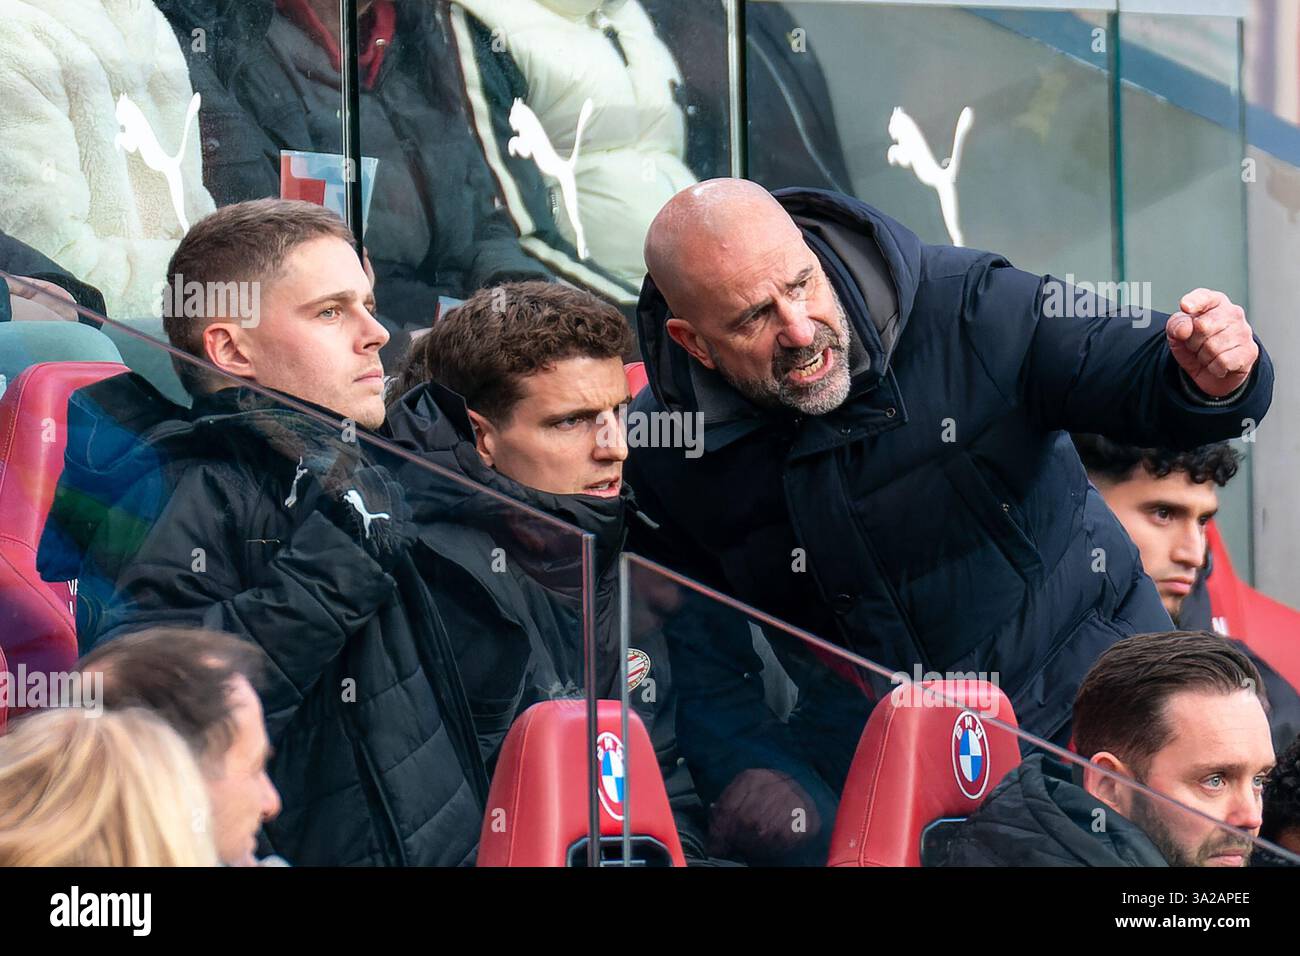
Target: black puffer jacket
944,516
508,577
1037,817
208,520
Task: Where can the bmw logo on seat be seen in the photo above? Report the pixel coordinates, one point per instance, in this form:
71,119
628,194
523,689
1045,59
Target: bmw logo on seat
613,775
970,755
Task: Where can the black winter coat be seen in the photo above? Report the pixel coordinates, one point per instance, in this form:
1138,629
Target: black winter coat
946,519
207,520
507,577
1037,817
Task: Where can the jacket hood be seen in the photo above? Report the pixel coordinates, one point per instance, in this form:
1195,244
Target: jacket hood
433,422
1038,817
872,261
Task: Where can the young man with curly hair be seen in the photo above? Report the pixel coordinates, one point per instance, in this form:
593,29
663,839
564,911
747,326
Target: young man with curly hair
1164,499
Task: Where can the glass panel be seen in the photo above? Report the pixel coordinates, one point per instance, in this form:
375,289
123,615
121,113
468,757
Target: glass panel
805,754
410,606
881,94
1183,151
533,141
1271,62
105,177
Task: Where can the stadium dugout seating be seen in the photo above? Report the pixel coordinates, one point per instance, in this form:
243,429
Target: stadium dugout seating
926,759
538,810
37,626
1267,627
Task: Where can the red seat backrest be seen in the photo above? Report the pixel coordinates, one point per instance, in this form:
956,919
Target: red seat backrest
37,626
636,377
921,758
538,805
1267,627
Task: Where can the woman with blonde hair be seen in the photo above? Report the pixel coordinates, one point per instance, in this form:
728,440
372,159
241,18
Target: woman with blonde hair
119,789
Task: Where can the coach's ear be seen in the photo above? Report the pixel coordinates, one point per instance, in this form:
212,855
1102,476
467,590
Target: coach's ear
684,334
485,437
1114,793
227,349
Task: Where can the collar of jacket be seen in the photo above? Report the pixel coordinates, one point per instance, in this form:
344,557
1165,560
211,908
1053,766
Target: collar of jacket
859,248
377,27
431,418
1043,797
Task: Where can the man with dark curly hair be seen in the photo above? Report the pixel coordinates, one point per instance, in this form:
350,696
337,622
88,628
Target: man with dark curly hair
1164,499
1282,801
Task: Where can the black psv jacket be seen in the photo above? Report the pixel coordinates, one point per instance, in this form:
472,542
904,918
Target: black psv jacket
213,518
508,584
946,519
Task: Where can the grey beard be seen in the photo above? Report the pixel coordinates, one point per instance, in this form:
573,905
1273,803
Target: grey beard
774,391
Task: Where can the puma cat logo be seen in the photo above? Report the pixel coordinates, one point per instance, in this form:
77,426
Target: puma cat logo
137,136
298,473
911,151
532,142
353,497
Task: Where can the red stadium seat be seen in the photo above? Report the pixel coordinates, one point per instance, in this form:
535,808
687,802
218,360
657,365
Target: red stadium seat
1267,627
921,759
636,377
37,627
538,805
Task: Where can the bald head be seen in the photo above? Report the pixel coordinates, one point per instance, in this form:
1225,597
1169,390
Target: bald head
749,299
709,228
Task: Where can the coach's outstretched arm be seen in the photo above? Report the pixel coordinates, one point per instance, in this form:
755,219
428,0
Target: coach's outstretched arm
1142,377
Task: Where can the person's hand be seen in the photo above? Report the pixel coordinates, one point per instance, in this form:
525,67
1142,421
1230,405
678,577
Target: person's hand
29,303
1211,341
762,816
371,506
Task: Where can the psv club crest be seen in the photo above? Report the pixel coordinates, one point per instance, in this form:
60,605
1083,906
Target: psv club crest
970,755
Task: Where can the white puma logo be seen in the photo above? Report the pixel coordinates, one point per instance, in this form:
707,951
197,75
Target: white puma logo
533,142
137,135
353,497
911,151
298,472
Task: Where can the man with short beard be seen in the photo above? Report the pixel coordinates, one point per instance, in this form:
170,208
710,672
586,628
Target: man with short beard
1180,713
886,463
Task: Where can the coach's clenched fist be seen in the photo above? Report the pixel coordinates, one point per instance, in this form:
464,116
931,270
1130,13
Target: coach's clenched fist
1212,342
